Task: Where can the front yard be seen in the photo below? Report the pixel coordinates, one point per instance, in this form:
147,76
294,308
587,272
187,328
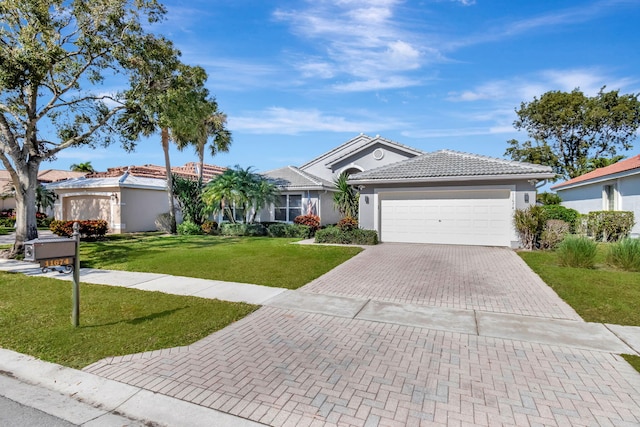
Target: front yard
35,311
256,260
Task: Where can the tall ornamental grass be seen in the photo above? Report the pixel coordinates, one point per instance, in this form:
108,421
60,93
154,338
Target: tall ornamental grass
577,252
625,254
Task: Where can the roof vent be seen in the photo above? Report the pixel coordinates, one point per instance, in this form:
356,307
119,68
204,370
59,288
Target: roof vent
378,154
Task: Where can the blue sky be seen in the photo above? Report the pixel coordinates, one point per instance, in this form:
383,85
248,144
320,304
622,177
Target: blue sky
297,78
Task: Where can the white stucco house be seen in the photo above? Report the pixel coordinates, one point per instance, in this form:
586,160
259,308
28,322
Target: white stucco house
612,188
407,195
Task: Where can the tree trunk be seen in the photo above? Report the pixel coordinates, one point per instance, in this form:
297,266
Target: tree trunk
201,160
25,194
164,134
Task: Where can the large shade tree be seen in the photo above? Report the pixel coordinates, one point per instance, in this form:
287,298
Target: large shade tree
54,56
571,132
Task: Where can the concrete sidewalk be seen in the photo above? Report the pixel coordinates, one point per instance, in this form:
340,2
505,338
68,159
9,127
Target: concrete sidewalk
137,403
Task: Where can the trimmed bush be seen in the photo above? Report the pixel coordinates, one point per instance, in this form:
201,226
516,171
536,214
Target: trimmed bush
189,228
347,223
290,230
567,215
577,251
555,230
610,226
311,221
625,254
356,236
529,224
209,227
239,229
90,229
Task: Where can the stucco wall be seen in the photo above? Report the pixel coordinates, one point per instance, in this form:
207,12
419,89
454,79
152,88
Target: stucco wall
140,207
588,198
361,161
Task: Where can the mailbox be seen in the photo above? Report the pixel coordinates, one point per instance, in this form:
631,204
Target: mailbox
51,252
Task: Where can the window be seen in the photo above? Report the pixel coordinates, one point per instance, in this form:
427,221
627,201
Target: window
288,207
609,197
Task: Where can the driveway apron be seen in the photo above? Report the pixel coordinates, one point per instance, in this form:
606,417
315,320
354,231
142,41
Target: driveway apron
282,366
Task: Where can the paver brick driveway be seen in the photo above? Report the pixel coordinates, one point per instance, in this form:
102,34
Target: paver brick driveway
286,367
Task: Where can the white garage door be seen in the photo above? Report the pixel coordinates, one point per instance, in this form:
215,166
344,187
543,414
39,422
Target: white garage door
479,217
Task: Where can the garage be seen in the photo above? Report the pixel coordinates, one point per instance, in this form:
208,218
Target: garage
87,208
464,217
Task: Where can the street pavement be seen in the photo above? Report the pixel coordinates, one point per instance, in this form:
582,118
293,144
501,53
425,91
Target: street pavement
398,335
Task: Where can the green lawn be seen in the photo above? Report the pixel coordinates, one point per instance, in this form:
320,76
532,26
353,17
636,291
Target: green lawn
256,260
35,318
601,295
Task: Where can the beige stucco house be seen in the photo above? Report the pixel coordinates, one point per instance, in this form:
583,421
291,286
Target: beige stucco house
128,198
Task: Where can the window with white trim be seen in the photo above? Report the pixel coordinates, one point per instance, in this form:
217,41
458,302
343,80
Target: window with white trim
237,211
609,197
288,207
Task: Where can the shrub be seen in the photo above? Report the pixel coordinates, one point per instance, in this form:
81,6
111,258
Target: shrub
356,236
548,198
625,254
555,230
577,251
188,228
567,215
209,227
88,228
529,224
238,229
610,226
290,230
163,222
347,223
311,221
7,222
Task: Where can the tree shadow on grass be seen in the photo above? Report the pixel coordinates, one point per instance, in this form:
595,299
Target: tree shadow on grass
139,320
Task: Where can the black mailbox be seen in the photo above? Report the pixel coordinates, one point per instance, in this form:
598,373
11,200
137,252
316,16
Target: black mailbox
51,252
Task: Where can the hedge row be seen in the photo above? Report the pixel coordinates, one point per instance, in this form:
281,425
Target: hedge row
355,236
88,228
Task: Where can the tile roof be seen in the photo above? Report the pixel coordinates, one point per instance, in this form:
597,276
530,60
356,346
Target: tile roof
621,166
451,164
53,175
290,177
188,171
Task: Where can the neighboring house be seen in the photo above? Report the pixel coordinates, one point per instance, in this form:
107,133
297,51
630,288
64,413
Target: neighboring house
128,198
447,197
309,189
7,201
612,188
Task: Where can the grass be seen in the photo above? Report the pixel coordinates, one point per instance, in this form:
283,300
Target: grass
599,294
633,360
256,260
35,317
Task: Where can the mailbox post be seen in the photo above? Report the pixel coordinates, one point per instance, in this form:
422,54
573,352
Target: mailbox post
59,253
75,313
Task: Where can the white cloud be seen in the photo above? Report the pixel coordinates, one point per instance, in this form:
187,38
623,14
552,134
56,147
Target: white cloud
278,120
525,88
357,39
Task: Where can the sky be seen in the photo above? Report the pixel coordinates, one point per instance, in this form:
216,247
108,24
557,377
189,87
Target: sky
298,78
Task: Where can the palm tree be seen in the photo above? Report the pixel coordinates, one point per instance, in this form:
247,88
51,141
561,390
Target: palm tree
82,167
209,122
45,198
242,189
346,198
